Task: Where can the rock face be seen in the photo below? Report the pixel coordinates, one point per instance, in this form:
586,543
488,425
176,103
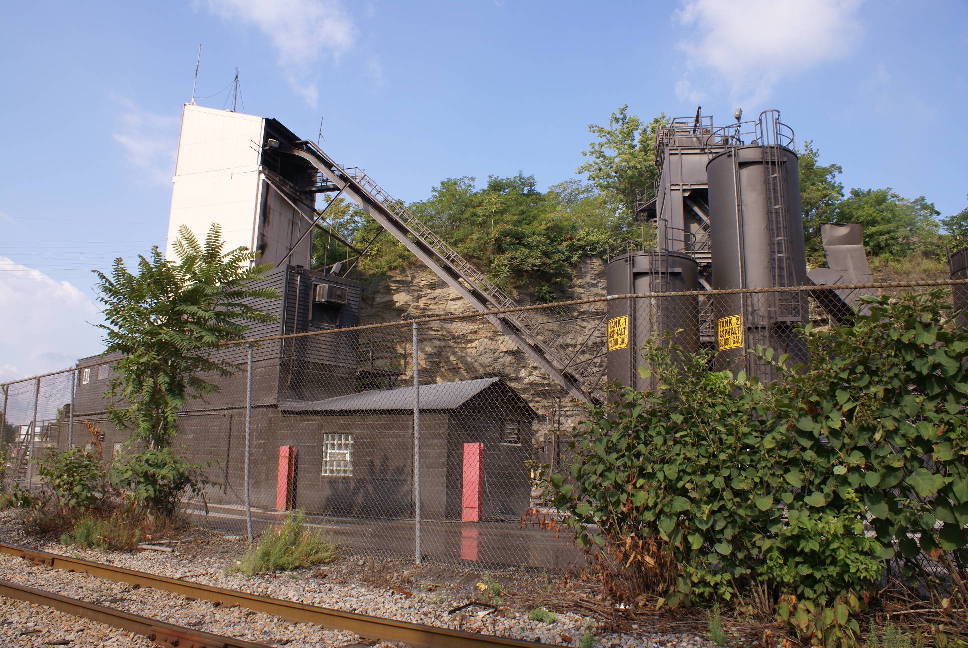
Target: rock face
472,348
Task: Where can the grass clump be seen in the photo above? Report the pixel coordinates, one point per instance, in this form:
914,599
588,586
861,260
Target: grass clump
543,615
889,636
120,530
715,624
288,547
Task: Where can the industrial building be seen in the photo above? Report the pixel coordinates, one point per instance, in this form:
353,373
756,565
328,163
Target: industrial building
326,403
333,408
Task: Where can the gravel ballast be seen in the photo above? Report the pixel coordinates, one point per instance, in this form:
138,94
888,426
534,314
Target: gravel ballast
192,559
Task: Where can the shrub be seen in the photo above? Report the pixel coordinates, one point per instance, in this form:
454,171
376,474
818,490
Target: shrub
725,483
76,478
288,547
155,479
680,472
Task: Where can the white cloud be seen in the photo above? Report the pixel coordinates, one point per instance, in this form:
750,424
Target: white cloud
743,47
45,323
149,141
6,218
301,31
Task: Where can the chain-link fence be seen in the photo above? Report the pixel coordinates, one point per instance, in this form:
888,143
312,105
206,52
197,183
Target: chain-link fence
420,438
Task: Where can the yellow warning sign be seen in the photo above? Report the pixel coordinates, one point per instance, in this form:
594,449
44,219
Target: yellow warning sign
729,332
618,333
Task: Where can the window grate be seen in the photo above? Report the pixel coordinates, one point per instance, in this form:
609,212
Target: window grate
337,455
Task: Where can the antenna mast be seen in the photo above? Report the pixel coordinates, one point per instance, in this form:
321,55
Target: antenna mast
319,135
198,62
235,90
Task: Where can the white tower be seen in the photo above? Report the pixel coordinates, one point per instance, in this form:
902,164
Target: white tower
226,174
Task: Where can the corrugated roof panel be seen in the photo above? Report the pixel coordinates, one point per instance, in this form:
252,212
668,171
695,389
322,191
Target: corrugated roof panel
441,396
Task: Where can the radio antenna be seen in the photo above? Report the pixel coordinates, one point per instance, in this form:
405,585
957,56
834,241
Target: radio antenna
198,62
235,90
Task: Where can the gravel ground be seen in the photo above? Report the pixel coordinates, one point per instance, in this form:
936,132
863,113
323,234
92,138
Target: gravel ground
165,606
204,558
25,624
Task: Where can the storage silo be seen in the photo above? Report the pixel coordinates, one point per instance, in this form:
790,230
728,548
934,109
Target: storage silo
633,321
757,242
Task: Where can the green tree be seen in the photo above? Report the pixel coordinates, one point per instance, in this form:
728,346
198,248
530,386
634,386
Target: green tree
820,193
621,161
165,321
345,220
522,237
956,226
893,225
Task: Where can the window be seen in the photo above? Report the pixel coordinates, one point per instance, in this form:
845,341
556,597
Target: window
103,371
85,376
511,432
337,455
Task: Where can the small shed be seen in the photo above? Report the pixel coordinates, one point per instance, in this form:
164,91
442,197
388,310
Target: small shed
365,464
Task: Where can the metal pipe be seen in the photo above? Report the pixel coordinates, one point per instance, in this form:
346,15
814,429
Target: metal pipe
3,416
33,435
248,430
416,446
70,414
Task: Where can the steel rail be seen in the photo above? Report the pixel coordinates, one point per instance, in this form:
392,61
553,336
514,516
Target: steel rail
370,627
161,632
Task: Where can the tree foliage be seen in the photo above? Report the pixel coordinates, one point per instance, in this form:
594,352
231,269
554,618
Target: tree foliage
956,226
893,225
820,193
621,161
165,320
522,237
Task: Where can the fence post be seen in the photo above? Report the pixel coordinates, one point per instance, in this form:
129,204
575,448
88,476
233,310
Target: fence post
70,414
248,442
416,446
3,415
33,434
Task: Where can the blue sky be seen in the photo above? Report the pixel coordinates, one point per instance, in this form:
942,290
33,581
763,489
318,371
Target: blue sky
419,91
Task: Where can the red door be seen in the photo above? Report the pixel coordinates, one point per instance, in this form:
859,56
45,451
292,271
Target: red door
473,477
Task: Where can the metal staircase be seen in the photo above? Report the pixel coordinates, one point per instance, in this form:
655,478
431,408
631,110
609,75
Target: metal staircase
451,267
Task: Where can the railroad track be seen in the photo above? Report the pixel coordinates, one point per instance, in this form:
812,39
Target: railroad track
370,627
166,634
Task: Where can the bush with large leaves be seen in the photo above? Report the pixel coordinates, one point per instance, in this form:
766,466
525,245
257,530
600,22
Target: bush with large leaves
738,484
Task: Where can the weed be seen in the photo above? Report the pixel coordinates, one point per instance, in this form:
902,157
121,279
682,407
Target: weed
714,620
289,547
87,533
121,530
889,636
490,589
587,640
543,615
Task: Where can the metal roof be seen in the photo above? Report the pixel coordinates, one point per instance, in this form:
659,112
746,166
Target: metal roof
440,396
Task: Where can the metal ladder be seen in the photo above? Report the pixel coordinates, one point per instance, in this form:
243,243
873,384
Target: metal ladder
785,305
451,267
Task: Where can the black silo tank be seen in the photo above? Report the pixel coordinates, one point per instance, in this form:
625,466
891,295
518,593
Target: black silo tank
757,242
631,322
